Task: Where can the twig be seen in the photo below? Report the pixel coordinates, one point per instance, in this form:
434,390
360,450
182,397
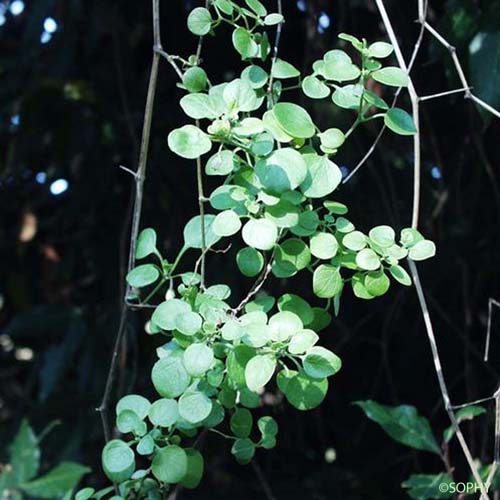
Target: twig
491,303
259,283
442,94
274,58
266,488
139,177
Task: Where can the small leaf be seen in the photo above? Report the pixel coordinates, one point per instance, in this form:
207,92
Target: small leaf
164,412
283,70
273,19
170,464
118,461
403,424
259,371
226,223
332,138
241,423
192,232
143,275
199,21
367,259
195,468
56,482
302,341
321,363
392,76
400,122
198,359
294,120
383,236
400,275
427,486
189,142
302,391
169,376
260,234
243,450
195,79
380,50
24,455
244,43
424,249
250,261
146,243
327,281
314,88
194,406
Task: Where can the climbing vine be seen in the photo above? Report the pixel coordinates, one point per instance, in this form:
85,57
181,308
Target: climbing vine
216,356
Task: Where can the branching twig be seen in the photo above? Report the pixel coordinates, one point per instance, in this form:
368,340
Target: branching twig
277,40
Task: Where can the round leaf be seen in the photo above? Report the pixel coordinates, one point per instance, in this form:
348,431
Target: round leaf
143,275
400,122
169,376
199,21
164,412
146,243
367,259
383,236
302,391
392,76
192,232
118,461
422,250
250,261
324,245
198,359
195,79
138,404
226,223
259,371
189,142
260,234
327,281
302,341
194,406
320,362
294,120
170,464
314,88
241,423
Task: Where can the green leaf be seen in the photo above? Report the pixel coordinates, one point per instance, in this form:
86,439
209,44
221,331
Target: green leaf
268,428
355,42
195,79
192,232
332,138
368,260
302,341
226,223
297,305
283,70
324,246
244,43
302,391
484,57
259,371
189,142
373,99
291,256
321,363
294,120
166,313
323,176
400,275
198,359
128,421
256,76
146,243
170,464
327,281
240,96
195,467
284,170
410,237
241,423
284,324
348,97
243,450
338,66
118,461
236,362
250,261
198,106
84,493
274,128
24,455
392,76
225,6
314,88
422,250
403,424
261,234
138,404
57,481
221,163
146,445
164,412
377,283
273,19
143,275
194,406
170,377
199,21
426,486
400,122
380,50
467,413
383,236
355,241
188,323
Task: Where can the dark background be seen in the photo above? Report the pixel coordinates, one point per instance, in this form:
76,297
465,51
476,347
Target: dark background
72,109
